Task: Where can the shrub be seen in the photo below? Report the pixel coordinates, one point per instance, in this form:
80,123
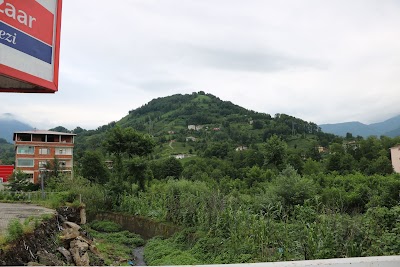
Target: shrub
14,230
106,226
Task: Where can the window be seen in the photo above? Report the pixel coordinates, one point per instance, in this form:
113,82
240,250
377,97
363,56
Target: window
43,164
63,151
25,163
27,150
44,151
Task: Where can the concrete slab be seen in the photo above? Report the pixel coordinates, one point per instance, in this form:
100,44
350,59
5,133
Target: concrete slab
9,211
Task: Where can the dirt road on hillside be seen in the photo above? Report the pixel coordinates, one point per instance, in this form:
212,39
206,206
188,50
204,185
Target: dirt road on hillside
9,211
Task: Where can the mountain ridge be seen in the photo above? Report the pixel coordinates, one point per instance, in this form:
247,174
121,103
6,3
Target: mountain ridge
389,127
10,124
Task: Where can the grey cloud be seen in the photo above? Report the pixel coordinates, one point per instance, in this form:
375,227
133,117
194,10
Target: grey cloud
253,61
161,85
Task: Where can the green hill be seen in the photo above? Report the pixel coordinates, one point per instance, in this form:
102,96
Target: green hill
191,123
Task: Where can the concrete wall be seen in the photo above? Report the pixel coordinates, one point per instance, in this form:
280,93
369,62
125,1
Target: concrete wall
386,261
145,227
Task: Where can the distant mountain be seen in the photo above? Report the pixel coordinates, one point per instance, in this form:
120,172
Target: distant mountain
390,127
9,124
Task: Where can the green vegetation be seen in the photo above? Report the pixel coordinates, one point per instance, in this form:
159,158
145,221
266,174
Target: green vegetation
114,245
16,229
255,187
7,156
105,226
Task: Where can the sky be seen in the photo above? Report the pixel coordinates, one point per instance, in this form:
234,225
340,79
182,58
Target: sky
321,61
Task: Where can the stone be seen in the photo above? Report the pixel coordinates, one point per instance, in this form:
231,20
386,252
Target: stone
65,253
69,234
71,225
80,259
81,246
48,259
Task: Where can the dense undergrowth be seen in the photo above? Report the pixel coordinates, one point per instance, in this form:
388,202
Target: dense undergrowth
115,245
289,217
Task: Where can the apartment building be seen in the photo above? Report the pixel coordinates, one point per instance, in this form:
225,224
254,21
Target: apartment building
35,149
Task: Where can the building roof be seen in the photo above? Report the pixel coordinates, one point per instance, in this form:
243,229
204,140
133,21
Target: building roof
42,132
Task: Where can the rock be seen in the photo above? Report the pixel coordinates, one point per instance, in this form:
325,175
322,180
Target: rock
69,213
81,246
71,225
69,234
80,259
85,260
84,239
65,253
48,259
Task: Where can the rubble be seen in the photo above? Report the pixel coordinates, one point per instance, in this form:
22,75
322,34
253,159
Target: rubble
42,248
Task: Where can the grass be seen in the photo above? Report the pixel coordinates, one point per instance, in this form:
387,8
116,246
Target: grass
16,229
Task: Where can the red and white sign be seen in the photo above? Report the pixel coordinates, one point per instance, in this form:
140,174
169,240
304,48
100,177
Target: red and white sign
29,45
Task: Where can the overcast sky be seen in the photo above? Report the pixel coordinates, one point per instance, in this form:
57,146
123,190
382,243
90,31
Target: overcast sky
321,61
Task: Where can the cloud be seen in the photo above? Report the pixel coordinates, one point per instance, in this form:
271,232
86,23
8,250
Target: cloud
320,61
248,60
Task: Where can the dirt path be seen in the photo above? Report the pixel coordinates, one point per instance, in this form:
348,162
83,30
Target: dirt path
9,211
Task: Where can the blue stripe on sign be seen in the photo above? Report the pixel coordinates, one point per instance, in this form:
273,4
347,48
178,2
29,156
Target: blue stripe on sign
26,44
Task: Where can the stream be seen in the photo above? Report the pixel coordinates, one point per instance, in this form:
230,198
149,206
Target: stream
138,256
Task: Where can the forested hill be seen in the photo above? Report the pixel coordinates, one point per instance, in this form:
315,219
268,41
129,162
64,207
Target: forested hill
206,120
176,112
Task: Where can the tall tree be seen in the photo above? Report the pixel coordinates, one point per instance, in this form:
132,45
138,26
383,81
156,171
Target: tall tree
129,143
94,168
275,151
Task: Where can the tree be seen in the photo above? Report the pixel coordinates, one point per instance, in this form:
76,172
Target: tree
312,167
129,143
93,167
292,188
170,167
19,181
275,152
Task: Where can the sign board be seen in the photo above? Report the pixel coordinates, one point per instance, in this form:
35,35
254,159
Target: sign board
29,45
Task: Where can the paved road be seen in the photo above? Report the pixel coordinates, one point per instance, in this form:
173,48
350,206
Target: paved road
9,211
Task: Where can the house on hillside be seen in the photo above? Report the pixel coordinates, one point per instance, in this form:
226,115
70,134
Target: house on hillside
395,156
195,127
322,149
35,149
191,138
241,148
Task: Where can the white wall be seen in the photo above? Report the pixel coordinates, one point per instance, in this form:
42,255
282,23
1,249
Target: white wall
384,261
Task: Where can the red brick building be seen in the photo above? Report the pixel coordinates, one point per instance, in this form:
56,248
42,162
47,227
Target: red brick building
35,149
